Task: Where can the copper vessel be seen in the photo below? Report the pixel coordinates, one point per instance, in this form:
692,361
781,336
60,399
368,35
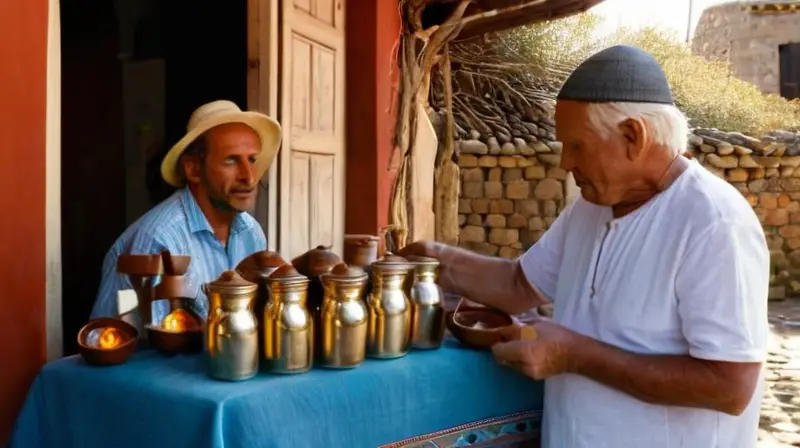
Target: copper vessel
343,332
231,337
389,327
107,342
257,268
143,271
312,264
361,250
427,304
181,330
288,330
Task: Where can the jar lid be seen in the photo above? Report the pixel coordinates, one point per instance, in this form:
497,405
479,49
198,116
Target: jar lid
317,261
260,264
392,261
286,272
343,271
231,282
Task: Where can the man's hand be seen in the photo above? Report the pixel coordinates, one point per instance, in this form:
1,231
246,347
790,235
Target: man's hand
421,249
539,351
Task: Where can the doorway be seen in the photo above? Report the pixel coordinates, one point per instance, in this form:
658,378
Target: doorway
790,70
132,73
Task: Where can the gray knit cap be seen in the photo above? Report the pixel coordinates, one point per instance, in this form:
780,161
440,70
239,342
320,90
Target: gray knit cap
618,74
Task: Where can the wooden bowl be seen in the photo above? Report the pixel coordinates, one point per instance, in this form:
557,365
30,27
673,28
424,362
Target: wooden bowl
173,342
96,356
494,321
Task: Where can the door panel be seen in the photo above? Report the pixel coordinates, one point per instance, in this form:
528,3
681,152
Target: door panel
312,158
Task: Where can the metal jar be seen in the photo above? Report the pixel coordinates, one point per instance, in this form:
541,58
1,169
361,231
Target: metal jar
231,336
427,304
343,317
288,327
389,328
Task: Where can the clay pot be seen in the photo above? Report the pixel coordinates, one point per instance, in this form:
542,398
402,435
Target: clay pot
312,264
107,357
494,322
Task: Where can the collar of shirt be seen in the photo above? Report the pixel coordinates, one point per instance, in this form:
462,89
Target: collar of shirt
198,221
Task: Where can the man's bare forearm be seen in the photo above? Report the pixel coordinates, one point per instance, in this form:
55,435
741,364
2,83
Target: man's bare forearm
491,281
678,380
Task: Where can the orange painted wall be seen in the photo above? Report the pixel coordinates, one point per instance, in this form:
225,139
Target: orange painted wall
23,70
372,30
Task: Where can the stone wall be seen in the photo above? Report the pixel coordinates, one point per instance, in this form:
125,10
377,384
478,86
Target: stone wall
512,188
767,172
749,41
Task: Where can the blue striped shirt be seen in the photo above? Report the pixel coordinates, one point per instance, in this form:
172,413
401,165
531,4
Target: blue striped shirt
178,225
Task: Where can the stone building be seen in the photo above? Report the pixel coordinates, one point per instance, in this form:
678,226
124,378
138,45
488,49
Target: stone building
760,39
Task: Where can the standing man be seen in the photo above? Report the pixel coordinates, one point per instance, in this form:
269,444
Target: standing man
658,273
216,166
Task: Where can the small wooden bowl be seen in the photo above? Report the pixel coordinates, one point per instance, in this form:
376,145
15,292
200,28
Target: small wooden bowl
173,342
107,357
480,338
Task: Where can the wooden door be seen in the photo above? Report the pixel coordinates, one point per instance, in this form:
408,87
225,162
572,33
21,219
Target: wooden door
790,70
312,161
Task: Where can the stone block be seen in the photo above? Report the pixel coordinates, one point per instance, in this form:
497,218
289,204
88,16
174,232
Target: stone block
512,174
493,190
536,223
777,217
472,175
525,162
549,209
472,189
473,147
495,220
487,161
790,231
481,205
722,162
768,200
501,206
550,159
506,162
503,237
474,219
495,174
518,189
508,252
467,161
464,205
548,189
738,175
557,173
472,234
516,221
526,207
535,172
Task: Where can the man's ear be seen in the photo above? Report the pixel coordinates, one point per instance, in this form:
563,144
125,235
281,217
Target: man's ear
634,132
191,167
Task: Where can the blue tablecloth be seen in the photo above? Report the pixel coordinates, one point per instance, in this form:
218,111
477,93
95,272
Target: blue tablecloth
154,401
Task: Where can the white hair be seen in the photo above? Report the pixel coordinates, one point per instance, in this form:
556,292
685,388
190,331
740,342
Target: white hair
666,125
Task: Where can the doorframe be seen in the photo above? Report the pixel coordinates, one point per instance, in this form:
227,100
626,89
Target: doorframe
263,70
53,287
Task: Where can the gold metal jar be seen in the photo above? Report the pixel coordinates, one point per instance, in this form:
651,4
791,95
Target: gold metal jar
343,318
427,304
389,329
231,336
288,326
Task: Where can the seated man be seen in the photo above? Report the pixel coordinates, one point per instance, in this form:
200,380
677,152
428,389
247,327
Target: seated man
658,274
217,166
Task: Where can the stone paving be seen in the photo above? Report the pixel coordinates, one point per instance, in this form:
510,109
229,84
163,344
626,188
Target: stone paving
780,410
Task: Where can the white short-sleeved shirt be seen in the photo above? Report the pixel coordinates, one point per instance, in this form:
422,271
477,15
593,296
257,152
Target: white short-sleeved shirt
687,273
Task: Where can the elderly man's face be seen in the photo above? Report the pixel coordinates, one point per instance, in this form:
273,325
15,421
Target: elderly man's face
605,167
226,172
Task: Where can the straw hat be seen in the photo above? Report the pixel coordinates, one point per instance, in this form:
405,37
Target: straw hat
217,113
